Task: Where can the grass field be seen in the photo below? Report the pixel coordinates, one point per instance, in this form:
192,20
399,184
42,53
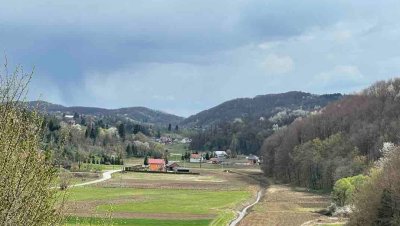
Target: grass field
167,177
132,206
76,178
136,222
161,200
210,198
177,148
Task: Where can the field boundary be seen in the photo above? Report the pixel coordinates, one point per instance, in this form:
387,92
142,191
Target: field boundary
242,214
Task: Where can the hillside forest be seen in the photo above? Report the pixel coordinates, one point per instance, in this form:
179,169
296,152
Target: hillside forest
348,146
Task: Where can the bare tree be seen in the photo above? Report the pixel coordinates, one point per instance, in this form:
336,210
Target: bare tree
26,175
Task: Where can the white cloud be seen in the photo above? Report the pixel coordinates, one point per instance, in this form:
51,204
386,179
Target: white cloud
342,72
269,45
164,98
342,35
275,64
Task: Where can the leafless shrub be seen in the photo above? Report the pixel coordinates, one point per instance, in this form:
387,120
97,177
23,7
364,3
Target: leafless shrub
26,176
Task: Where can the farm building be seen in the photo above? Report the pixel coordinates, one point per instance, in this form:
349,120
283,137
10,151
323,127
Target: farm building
252,159
196,158
156,164
172,166
220,154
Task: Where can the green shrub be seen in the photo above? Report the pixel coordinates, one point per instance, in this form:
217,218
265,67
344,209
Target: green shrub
344,189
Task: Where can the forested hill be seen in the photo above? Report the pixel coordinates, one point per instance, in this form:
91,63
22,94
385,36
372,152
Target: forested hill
138,114
259,106
341,141
241,125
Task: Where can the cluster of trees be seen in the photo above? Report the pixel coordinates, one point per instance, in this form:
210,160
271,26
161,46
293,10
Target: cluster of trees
340,141
344,189
98,140
373,199
139,150
241,137
170,128
317,164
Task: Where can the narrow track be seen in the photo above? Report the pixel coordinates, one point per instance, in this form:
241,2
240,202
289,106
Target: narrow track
243,213
106,176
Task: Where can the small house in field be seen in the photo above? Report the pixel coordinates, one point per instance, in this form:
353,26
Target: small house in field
220,154
172,166
196,158
156,164
252,159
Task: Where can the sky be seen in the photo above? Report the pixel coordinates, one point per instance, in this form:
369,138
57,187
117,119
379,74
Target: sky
185,56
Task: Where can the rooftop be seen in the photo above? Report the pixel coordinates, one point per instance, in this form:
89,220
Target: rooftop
156,161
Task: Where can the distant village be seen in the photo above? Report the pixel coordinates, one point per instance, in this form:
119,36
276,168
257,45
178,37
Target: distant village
191,157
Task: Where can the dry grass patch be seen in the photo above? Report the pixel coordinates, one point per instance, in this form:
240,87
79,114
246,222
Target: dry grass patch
281,205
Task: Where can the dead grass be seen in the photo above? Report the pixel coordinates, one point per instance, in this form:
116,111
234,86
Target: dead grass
282,206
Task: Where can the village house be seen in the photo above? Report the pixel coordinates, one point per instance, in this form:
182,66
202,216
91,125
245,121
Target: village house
196,158
186,140
69,119
165,140
252,159
156,164
220,154
172,166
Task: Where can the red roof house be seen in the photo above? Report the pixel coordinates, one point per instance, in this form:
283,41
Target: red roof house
156,164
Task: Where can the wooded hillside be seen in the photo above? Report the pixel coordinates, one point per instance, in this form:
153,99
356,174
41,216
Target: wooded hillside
241,125
339,141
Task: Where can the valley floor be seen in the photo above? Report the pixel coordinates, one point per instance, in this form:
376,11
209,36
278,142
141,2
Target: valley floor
283,205
211,198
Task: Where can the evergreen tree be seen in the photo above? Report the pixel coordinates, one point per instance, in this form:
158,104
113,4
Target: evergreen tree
93,133
76,116
136,129
385,211
87,132
121,130
146,161
207,156
101,124
134,150
176,128
83,121
128,150
169,127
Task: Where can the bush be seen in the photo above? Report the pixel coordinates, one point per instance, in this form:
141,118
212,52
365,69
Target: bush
344,189
377,201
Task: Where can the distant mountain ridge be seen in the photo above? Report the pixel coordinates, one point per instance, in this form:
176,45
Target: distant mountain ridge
139,114
260,106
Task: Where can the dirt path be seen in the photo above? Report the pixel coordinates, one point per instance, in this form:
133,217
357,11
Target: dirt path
106,176
243,213
283,206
